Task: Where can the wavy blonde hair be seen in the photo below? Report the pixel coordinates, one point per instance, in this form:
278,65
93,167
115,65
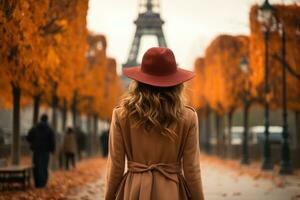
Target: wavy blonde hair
151,107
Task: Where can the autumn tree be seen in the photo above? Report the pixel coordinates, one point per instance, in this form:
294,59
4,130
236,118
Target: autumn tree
78,49
222,72
47,55
289,15
100,87
19,50
223,77
107,86
44,82
112,89
195,87
195,91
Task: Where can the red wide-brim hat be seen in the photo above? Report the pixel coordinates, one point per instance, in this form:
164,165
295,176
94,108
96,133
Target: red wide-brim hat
158,68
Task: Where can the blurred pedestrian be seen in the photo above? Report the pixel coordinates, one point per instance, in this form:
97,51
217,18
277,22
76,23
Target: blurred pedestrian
61,155
2,140
157,134
69,148
104,142
81,141
42,142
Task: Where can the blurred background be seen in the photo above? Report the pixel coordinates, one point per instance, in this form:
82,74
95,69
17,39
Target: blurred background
65,58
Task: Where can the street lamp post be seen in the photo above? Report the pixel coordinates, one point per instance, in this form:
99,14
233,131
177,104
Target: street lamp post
245,68
267,164
267,19
285,165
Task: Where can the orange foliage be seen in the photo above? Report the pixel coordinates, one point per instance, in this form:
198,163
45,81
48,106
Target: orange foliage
112,88
72,50
101,82
4,91
20,41
290,16
195,87
219,81
46,43
223,77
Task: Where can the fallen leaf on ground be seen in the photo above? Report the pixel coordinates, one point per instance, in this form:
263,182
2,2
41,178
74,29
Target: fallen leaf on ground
61,182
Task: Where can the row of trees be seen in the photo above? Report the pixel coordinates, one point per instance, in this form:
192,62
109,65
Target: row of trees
48,57
289,16
218,84
222,86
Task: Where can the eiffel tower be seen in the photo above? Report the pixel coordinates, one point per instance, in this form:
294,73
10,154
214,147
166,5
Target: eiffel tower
148,22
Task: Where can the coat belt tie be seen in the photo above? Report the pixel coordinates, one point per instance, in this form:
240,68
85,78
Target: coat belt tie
166,170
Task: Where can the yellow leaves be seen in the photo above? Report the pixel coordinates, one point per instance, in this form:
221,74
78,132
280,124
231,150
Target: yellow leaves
195,87
218,81
222,81
62,23
52,59
62,183
112,89
20,34
99,79
223,75
51,42
58,38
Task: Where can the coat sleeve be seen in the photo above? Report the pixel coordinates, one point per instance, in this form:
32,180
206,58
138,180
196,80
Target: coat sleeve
116,159
191,162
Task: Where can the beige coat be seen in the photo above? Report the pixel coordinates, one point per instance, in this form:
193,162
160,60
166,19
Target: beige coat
157,168
69,143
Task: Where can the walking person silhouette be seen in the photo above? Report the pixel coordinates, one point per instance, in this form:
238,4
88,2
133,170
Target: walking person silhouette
69,147
42,142
156,133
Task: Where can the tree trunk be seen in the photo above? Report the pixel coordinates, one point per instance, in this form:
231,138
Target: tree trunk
297,118
54,107
222,137
229,136
36,109
90,134
200,128
54,160
95,141
64,115
207,130
245,150
79,120
230,115
95,134
218,132
15,147
74,109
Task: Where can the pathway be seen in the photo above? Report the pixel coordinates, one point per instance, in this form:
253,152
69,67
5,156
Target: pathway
218,183
225,184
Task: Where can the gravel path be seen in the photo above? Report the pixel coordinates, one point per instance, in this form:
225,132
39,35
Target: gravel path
226,184
218,184
91,191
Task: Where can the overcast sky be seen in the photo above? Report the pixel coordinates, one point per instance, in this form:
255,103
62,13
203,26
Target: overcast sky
189,27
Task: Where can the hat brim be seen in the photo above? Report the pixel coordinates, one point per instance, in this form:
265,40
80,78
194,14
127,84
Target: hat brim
180,76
